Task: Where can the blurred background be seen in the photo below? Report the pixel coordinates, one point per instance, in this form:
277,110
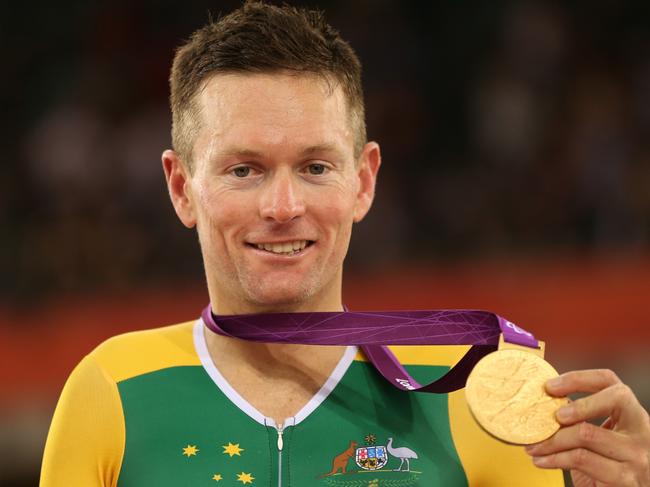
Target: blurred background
516,178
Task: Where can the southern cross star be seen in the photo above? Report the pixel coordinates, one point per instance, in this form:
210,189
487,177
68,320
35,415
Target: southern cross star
190,450
231,449
245,478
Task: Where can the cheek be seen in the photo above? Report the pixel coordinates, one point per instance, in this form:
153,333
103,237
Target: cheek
338,200
217,216
338,213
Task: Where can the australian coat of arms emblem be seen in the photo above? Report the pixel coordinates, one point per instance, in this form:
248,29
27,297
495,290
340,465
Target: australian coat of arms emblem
380,461
371,456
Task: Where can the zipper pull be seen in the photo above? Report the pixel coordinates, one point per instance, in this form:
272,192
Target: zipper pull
280,442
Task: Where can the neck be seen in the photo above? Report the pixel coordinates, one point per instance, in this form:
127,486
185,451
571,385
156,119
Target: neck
224,307
267,357
276,378
273,361
271,358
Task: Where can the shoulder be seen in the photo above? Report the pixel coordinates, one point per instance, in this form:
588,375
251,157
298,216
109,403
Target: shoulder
131,354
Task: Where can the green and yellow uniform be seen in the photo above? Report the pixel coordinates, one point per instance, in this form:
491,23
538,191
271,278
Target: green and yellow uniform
151,409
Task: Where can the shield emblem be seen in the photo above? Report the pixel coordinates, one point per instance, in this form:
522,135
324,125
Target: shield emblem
371,457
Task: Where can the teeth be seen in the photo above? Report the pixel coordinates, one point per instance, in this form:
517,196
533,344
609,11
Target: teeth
287,248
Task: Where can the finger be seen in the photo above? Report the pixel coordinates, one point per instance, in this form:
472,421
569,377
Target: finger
608,423
607,443
617,401
581,381
591,464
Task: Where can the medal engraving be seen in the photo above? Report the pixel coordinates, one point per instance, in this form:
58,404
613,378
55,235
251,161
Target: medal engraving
505,393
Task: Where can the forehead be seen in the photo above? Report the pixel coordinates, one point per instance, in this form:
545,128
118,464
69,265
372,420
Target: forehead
265,111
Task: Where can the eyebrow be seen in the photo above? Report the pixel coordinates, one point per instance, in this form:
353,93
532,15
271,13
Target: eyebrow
320,148
307,151
240,152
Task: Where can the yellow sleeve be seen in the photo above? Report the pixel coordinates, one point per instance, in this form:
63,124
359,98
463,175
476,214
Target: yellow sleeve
85,444
489,462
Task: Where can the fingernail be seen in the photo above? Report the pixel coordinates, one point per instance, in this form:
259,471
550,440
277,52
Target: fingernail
565,413
554,383
530,449
539,461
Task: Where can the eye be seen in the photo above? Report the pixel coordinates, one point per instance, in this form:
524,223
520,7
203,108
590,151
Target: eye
316,169
241,171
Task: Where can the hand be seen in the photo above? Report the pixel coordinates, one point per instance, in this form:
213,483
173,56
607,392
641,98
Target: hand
617,453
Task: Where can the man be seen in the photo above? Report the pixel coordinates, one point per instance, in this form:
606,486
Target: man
272,166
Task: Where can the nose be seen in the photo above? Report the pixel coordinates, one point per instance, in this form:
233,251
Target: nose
282,199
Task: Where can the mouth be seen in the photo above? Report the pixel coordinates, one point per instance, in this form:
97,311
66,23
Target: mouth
288,248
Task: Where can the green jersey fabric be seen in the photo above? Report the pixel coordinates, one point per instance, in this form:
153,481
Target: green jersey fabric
182,424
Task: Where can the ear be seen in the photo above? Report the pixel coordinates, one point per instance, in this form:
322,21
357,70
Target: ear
368,166
178,179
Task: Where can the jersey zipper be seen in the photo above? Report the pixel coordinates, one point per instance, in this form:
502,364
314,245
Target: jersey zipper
280,429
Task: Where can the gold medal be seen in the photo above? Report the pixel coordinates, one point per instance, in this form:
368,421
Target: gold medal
505,393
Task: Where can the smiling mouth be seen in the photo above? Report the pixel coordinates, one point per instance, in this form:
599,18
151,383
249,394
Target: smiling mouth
284,248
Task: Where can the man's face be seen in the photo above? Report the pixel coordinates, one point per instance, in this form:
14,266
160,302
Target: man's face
274,191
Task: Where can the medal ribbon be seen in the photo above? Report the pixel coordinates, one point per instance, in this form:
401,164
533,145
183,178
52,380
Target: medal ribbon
373,330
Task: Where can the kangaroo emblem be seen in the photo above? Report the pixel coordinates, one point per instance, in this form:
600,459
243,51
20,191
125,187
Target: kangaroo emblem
340,461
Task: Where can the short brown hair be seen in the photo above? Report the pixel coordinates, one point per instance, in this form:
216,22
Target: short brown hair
262,38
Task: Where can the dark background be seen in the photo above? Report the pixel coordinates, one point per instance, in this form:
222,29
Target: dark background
510,131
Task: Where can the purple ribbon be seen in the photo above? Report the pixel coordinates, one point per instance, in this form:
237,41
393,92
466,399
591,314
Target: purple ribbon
372,331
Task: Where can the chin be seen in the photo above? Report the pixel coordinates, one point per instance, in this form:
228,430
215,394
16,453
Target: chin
278,300
279,297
